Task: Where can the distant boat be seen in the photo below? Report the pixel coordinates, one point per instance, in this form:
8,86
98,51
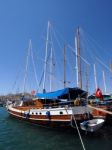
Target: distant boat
104,104
1,104
92,125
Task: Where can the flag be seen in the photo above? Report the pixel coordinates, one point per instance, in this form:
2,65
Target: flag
98,94
33,92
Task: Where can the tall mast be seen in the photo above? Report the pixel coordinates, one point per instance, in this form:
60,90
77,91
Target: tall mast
105,88
86,73
77,79
79,60
111,72
96,85
64,66
46,51
51,65
111,67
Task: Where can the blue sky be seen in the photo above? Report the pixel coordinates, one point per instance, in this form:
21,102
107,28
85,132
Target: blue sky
22,20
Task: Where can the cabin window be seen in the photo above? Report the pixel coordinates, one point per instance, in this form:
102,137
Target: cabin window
40,113
36,113
32,113
61,112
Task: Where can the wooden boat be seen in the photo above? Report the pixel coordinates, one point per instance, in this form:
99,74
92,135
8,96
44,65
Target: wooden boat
92,125
53,109
101,107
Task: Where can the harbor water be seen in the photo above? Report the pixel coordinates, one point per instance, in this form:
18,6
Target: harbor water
19,135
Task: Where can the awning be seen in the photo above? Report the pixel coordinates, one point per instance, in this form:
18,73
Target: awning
67,93
54,94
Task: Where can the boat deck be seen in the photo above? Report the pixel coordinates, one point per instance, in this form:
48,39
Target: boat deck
24,108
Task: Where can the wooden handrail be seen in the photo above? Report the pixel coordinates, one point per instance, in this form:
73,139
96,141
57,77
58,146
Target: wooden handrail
100,109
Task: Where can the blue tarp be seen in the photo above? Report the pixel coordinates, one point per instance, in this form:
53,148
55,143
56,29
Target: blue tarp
54,94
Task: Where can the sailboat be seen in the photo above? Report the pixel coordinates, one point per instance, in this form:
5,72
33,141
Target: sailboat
49,109
61,108
99,102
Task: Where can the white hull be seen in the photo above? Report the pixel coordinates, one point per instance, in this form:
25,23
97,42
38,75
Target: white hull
92,125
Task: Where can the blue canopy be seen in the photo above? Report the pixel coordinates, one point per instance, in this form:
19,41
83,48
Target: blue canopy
63,94
54,94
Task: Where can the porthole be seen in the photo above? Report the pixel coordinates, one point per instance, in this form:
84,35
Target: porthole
36,113
40,113
61,112
32,113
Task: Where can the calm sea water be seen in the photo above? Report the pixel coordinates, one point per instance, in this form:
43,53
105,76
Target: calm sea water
19,135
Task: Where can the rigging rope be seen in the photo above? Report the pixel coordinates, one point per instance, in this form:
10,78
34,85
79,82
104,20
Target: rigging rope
33,64
103,64
79,56
26,69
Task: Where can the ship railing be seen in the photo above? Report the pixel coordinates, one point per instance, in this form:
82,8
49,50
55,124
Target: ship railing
70,103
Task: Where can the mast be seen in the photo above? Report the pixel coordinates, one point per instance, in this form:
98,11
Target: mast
51,65
86,73
64,66
46,51
105,88
96,85
78,59
111,67
111,72
77,79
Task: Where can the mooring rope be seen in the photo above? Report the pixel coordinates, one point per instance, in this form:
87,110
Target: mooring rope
82,143
79,133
